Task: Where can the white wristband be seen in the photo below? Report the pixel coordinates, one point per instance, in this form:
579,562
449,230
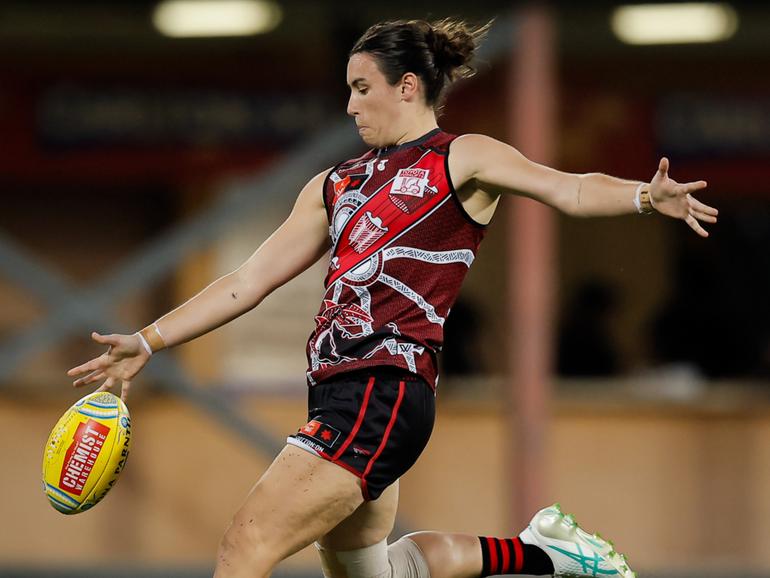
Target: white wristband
643,200
157,329
144,342
637,199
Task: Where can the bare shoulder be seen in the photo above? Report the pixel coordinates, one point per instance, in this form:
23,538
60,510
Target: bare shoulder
466,146
470,153
474,139
317,182
472,144
321,177
312,192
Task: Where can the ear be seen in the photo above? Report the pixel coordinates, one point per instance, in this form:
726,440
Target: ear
410,86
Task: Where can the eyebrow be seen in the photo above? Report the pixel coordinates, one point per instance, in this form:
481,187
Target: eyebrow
357,81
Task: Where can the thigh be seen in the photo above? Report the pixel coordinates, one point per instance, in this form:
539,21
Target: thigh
299,498
371,523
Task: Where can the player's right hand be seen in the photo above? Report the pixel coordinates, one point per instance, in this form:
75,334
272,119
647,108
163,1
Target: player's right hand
124,358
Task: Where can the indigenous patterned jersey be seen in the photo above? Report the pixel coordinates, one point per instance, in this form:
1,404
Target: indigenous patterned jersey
401,246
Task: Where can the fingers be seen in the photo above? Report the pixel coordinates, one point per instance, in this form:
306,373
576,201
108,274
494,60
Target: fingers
692,187
98,368
663,165
105,339
703,217
700,211
696,226
696,205
97,362
86,367
90,378
107,385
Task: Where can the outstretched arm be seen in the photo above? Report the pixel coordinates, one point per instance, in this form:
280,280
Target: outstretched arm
499,168
298,243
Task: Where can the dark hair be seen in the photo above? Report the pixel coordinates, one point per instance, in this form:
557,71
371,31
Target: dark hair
438,52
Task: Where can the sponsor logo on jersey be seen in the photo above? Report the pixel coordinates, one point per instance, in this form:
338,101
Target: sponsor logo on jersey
81,455
350,182
409,187
410,182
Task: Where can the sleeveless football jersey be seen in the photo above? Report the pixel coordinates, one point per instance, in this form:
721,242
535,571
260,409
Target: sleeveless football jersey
401,246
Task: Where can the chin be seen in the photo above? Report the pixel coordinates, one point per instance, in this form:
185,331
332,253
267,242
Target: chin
370,138
370,142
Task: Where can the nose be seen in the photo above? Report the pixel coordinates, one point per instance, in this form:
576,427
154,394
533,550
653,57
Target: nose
352,109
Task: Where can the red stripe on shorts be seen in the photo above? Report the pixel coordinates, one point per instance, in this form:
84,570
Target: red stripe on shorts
385,437
359,420
519,556
493,569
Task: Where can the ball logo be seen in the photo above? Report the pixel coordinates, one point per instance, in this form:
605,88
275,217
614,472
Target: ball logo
81,455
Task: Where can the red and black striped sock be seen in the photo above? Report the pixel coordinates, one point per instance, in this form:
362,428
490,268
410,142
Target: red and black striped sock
512,556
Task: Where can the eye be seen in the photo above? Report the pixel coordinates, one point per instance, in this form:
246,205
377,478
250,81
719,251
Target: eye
363,91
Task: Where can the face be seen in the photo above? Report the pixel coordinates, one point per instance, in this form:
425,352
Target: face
375,105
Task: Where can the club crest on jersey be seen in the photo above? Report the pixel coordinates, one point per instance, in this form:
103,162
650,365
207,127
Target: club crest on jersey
408,186
367,230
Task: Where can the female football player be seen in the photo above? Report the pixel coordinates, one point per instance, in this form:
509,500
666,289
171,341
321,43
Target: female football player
402,225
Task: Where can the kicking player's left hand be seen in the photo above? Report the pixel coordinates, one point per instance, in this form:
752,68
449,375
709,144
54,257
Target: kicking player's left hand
124,358
675,200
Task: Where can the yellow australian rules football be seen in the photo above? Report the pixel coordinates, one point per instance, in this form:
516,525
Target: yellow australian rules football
86,452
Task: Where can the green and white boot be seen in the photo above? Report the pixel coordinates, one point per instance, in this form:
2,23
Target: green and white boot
573,551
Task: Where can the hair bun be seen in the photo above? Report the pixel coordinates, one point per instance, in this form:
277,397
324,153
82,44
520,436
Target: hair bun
453,44
450,52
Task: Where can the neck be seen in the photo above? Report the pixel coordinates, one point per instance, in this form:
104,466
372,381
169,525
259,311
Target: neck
422,124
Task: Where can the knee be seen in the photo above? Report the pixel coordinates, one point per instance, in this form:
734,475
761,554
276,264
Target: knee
437,546
368,562
243,546
407,559
402,559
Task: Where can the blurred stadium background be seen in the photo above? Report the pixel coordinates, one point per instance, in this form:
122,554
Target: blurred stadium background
620,366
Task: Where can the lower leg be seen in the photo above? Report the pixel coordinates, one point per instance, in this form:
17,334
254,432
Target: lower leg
467,556
552,544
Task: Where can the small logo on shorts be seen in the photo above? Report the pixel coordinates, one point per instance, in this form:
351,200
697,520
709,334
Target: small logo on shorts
361,451
322,433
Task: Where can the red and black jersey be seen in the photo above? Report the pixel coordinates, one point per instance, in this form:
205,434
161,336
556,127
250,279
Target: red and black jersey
401,246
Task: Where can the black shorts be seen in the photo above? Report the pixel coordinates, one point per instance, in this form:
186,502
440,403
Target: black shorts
374,423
